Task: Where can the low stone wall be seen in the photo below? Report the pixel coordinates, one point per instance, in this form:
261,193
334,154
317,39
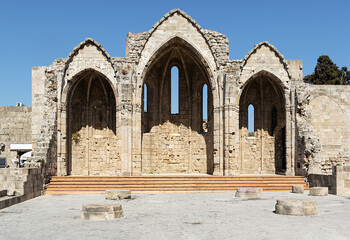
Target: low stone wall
338,183
341,180
320,180
25,182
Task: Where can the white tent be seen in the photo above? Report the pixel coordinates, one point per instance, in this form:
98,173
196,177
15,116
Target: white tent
24,157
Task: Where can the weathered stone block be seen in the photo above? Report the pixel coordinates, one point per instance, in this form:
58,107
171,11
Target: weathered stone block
100,212
346,168
347,183
249,193
318,191
13,192
117,194
296,207
298,189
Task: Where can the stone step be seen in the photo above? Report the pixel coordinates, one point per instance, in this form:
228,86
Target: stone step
145,191
159,179
179,184
168,184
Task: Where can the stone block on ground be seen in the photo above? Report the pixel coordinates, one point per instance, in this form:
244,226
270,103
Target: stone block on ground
117,194
13,192
100,212
249,193
296,207
298,189
319,191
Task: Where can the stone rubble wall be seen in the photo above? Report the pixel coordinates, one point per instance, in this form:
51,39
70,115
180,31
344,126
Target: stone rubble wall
219,46
172,149
22,181
255,158
134,45
21,184
329,110
44,123
15,128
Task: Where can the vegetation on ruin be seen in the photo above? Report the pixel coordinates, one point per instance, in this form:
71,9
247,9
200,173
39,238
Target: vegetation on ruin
76,137
327,72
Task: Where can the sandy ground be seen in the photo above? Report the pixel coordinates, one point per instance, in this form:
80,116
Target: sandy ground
176,216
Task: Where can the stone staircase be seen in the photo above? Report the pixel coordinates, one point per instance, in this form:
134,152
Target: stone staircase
171,184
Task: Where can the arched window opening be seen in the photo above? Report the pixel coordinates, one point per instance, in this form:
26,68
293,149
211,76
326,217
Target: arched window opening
251,126
174,90
145,97
205,108
273,119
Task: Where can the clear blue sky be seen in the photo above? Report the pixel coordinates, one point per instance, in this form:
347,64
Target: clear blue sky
35,33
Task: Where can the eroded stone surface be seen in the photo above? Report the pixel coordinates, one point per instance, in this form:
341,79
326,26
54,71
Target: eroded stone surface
298,189
117,194
296,207
249,193
100,212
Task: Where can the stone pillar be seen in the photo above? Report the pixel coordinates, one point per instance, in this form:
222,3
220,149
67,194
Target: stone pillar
290,133
125,122
62,138
135,128
218,132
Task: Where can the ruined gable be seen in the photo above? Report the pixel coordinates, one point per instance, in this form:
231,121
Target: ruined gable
265,57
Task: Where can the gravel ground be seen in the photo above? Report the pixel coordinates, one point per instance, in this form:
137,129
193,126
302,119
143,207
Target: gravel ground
176,216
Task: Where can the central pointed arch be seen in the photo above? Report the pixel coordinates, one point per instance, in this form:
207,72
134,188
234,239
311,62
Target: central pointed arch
176,143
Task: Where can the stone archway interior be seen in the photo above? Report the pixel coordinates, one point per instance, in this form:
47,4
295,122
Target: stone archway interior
180,142
263,149
92,126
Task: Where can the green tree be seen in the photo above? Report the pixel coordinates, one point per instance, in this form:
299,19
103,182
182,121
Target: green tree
326,72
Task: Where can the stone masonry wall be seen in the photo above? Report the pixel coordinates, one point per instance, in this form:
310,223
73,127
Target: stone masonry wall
15,127
24,183
173,149
44,123
329,111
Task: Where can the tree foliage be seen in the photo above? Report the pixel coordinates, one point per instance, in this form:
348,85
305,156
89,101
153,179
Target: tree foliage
326,72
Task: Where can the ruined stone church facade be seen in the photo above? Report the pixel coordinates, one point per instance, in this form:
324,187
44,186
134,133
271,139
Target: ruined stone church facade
93,114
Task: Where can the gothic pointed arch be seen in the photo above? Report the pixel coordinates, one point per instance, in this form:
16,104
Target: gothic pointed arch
263,152
91,126
189,149
176,42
